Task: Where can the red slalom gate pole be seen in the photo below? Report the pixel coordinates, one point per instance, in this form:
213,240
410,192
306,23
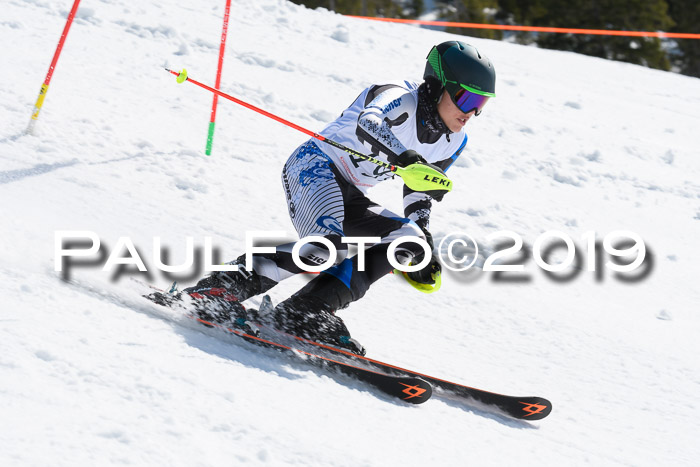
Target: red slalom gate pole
45,87
222,47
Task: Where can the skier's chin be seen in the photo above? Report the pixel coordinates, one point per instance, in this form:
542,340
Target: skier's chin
457,125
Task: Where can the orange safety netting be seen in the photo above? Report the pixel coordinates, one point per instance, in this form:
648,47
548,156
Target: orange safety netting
507,27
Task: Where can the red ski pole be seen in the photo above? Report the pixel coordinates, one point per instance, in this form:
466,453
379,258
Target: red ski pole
45,87
419,177
222,47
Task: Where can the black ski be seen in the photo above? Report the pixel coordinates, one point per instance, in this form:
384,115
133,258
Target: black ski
524,408
411,389
404,384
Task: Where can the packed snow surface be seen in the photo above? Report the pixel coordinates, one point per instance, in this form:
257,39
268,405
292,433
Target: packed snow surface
91,374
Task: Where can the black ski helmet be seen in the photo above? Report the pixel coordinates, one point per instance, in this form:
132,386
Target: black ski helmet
468,76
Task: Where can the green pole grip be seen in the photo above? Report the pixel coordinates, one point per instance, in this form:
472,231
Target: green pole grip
210,138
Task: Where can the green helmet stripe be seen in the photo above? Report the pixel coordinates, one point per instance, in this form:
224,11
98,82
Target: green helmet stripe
434,60
476,91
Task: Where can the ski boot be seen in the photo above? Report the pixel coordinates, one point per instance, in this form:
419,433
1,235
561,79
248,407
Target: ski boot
210,306
217,306
264,313
310,317
242,284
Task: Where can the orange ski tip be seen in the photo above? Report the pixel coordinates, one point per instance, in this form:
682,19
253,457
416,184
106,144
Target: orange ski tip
532,409
412,391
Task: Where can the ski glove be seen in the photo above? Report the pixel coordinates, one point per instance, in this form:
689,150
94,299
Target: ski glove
428,274
406,158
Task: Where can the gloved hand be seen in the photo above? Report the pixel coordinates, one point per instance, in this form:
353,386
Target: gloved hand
437,195
428,274
407,158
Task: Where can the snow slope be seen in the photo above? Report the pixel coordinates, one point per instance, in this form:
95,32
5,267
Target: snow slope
90,375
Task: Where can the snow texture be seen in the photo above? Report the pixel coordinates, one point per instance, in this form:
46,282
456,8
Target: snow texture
91,375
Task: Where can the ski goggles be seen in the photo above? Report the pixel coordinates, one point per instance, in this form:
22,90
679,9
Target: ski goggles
467,100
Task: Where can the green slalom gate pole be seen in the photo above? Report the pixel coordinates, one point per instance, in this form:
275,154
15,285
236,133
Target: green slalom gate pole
222,48
418,177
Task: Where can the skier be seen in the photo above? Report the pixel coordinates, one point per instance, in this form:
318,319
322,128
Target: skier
402,124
